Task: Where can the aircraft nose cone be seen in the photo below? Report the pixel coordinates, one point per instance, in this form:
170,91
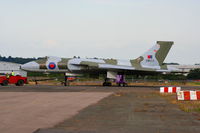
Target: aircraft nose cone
30,66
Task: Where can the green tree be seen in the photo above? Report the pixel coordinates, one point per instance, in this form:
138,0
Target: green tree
194,74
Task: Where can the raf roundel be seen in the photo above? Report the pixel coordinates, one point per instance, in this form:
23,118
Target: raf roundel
52,65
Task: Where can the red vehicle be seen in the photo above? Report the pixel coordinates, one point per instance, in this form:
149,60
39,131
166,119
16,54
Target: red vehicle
17,80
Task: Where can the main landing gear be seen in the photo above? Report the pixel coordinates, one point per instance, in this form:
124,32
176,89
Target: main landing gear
120,81
107,82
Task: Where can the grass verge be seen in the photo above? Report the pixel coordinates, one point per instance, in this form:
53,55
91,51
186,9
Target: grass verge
187,106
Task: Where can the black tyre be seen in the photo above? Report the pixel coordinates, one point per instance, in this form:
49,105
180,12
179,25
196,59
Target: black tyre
125,84
107,84
122,84
4,83
20,83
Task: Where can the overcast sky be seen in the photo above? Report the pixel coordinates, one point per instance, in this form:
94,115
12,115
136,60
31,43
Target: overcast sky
122,29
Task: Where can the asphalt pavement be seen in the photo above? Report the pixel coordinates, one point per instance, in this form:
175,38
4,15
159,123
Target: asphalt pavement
138,109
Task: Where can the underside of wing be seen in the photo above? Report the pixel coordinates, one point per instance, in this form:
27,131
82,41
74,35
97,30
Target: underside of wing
118,68
115,67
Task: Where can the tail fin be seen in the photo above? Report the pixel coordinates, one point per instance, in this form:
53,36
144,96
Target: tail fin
156,55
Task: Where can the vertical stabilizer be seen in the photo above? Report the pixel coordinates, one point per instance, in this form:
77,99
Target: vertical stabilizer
156,55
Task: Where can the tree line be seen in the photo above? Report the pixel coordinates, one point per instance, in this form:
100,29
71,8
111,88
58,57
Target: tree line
19,60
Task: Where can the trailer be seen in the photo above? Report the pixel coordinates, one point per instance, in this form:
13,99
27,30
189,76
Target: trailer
17,80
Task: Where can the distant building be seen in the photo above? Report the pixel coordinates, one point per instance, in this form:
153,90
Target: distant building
8,67
186,68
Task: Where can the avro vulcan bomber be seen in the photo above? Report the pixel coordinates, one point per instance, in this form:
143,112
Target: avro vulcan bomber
151,62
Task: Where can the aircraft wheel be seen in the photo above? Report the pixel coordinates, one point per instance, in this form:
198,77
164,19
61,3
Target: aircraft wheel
107,84
125,84
122,84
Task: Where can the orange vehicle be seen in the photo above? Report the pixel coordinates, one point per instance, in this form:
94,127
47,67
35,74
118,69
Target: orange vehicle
17,80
